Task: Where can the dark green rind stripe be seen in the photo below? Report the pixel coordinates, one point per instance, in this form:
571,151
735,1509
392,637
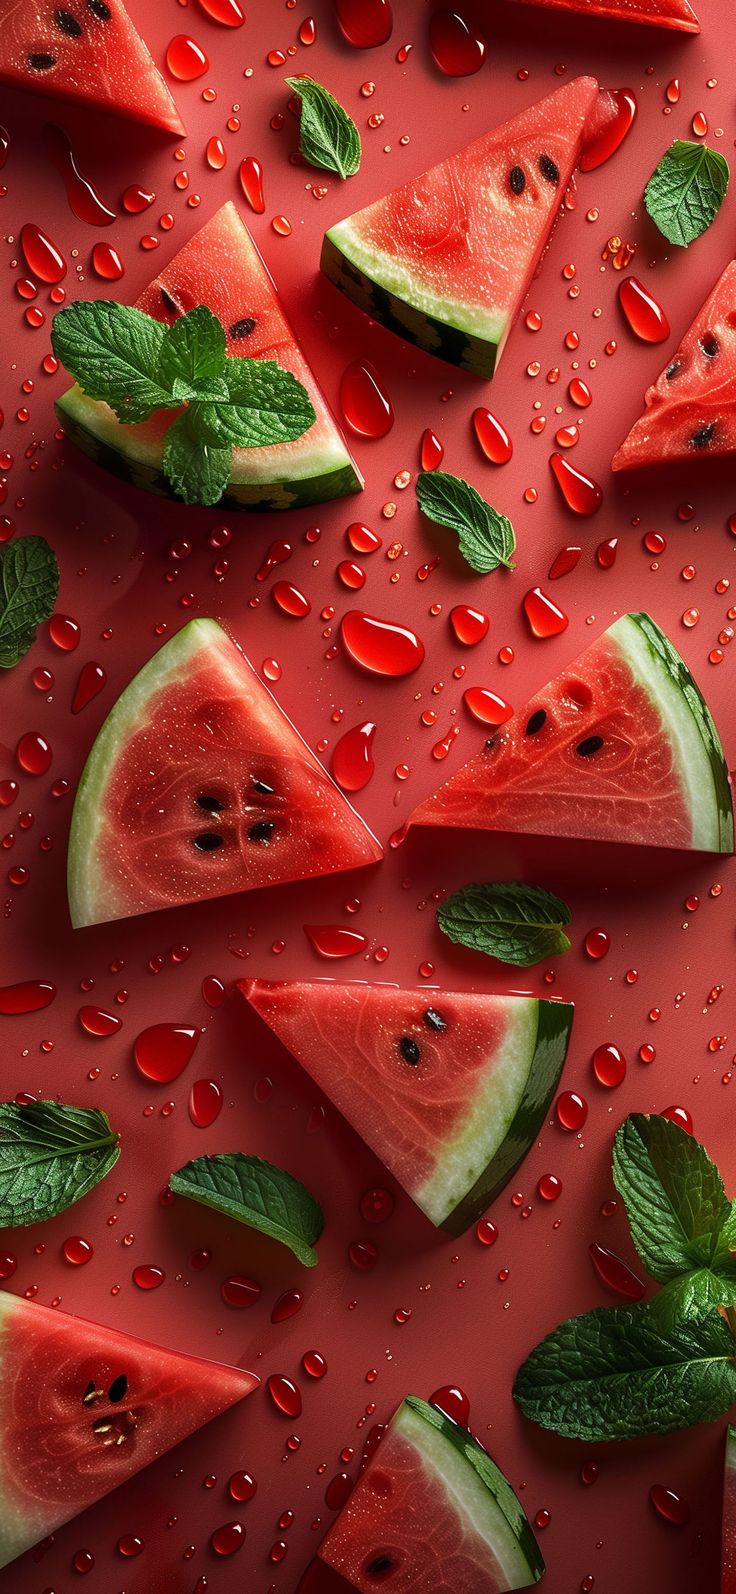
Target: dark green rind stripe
679,673
553,1033
466,349
300,494
490,1475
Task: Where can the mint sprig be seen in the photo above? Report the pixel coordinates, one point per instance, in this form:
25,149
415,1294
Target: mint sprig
50,1156
685,192
485,536
258,1194
29,586
507,920
122,357
328,137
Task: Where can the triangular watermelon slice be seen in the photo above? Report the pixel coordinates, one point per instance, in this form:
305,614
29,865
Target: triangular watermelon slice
87,51
222,268
197,786
728,1529
82,1408
657,13
690,412
619,747
446,259
449,1088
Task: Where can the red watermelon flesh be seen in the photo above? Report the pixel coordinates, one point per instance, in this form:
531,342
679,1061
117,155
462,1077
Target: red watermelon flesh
657,13
87,51
690,412
198,786
728,1532
619,747
83,1407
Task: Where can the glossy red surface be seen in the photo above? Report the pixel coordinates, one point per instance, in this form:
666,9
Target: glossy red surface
136,568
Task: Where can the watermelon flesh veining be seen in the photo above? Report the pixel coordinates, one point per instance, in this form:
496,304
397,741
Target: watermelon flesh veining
83,1407
690,412
728,1532
446,259
197,786
221,267
432,1514
87,51
619,747
657,13
449,1088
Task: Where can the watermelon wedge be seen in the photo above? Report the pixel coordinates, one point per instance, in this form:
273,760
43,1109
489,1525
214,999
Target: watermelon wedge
446,259
83,1407
619,747
690,412
222,268
728,1532
87,51
432,1514
449,1088
197,786
656,13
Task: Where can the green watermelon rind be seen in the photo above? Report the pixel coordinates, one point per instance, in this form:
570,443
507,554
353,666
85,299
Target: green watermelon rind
485,1494
686,716
419,318
92,427
728,1527
546,1050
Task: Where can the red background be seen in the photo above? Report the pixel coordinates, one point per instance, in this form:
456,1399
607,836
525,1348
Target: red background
113,546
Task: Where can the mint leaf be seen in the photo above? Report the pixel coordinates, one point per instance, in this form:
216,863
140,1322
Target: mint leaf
266,405
199,472
673,1193
685,192
508,920
29,585
695,1293
113,352
193,354
486,537
615,1374
328,137
258,1194
50,1156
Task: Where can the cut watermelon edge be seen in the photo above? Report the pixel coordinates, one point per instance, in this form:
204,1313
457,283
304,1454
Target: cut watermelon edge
638,15
728,1525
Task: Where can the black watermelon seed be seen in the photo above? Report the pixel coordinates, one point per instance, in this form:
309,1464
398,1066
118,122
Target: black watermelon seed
517,180
434,1020
68,23
100,10
709,345
211,805
118,1388
409,1050
170,303
548,169
242,328
672,369
704,435
41,63
262,831
208,841
262,786
490,744
535,722
591,745
382,1563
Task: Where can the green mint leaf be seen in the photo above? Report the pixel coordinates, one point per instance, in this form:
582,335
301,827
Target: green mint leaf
193,354
508,920
29,585
258,1194
50,1156
198,471
486,537
674,1196
615,1374
693,1294
328,137
685,192
113,352
266,405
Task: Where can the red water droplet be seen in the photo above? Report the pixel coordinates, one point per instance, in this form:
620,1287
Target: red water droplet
228,1538
612,119
83,1561
457,50
605,553
185,59
33,754
137,199
609,1066
581,494
363,539
670,1506
376,1205
564,562
240,1292
287,1306
285,1395
9,790
381,647
453,1402
241,1487
469,625
486,1232
42,257
672,91
335,940
277,554
95,1021
29,996
83,197
162,1051
579,393
431,452
205,1102
213,991
64,632
492,436
106,263
130,1546
92,679
549,1187
486,706
147,1277
365,23
314,1365
338,1491
699,124
290,600
614,1273
643,312
77,1251
545,618
4,146
229,13
571,1111
363,1254
352,761
8,1264
365,403
678,1115
597,943
251,182
351,575
216,154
